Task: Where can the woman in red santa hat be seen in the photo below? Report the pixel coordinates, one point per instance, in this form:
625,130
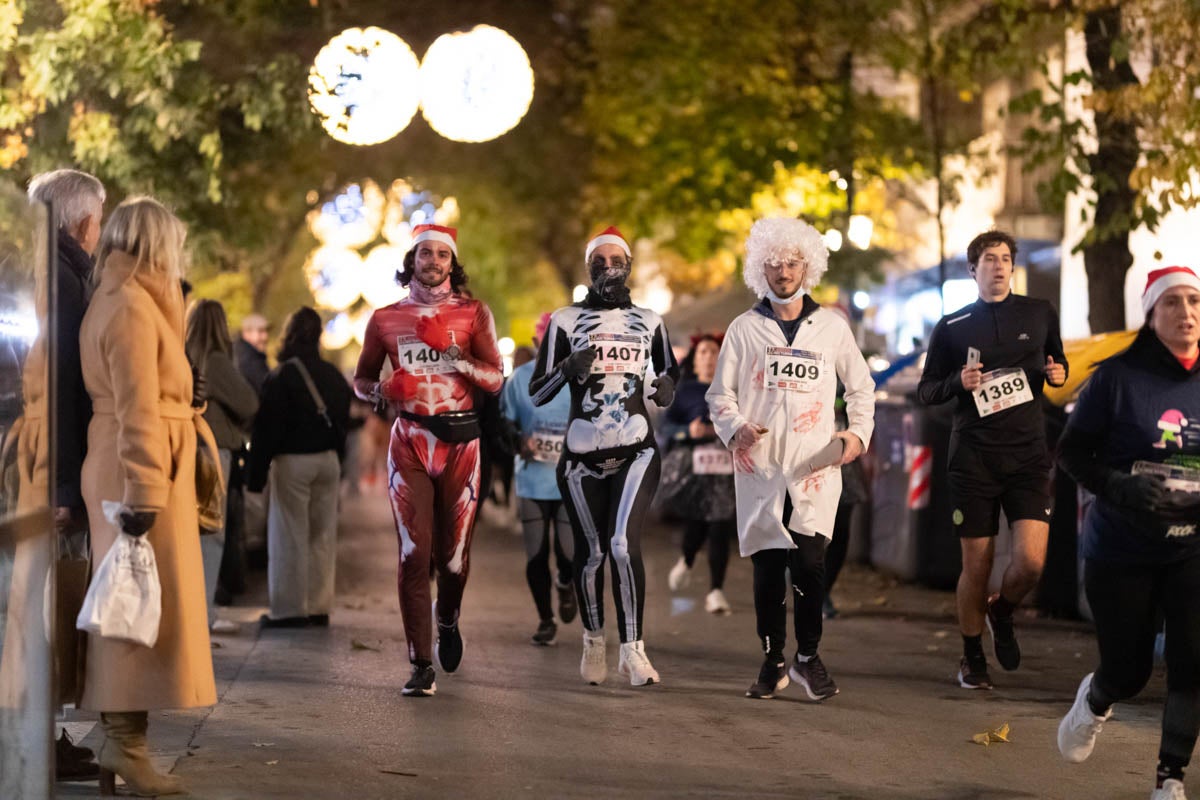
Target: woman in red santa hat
1140,537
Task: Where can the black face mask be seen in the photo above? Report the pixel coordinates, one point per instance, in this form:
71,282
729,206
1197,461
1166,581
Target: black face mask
609,286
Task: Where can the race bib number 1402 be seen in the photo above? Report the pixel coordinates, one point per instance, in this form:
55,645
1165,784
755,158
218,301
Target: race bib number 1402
418,358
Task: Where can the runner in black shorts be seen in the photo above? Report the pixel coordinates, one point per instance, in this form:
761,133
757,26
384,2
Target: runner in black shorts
998,456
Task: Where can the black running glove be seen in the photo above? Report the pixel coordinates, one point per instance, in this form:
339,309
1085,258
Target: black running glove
664,391
136,523
1137,492
578,363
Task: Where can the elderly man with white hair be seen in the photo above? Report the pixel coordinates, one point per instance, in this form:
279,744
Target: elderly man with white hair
772,403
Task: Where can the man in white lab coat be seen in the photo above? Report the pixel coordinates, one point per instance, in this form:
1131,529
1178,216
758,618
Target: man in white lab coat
772,402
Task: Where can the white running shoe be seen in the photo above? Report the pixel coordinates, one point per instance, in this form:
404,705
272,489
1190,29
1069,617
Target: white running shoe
1078,729
680,576
716,603
594,666
635,665
1171,790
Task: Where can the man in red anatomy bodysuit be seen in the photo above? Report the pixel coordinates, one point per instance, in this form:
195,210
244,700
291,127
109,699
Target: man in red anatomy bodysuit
441,344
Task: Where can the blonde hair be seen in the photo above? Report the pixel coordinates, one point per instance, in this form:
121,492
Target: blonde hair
143,228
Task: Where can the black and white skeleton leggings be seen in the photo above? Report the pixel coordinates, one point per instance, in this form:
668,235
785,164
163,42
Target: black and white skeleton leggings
538,517
607,501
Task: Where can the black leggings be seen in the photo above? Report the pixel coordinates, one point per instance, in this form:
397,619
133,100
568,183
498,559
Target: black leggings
807,566
607,504
718,535
537,518
1126,600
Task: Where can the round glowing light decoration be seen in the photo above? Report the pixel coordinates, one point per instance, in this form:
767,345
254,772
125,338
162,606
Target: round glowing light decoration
338,332
351,218
334,277
506,346
379,287
363,86
475,85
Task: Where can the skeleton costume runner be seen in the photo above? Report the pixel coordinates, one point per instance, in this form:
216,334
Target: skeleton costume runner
441,344
601,349
772,403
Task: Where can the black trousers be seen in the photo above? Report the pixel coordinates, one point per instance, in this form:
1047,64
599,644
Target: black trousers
1126,601
718,535
807,567
538,519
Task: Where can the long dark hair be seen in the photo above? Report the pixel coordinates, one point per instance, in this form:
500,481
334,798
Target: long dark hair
301,335
458,275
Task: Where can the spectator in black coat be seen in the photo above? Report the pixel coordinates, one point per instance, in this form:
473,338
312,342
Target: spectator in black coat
250,350
299,437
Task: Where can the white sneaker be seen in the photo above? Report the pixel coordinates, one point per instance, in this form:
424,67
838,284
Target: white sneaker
716,603
225,626
680,576
1078,729
1171,790
594,666
635,665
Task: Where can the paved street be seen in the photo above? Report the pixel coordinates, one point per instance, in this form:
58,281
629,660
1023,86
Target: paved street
318,713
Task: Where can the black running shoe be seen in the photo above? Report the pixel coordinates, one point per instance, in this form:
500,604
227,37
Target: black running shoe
568,606
813,676
1008,652
448,651
973,674
544,636
422,683
772,678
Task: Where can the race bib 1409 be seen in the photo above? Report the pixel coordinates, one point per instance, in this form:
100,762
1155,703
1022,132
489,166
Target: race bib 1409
792,370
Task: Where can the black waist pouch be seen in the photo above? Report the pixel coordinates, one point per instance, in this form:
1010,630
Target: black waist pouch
452,428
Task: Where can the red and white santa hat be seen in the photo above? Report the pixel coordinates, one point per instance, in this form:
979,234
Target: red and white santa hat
609,235
1160,280
435,233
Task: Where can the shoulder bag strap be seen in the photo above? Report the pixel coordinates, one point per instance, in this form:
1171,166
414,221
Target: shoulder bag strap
312,389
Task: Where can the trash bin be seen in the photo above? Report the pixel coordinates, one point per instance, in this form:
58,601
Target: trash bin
912,535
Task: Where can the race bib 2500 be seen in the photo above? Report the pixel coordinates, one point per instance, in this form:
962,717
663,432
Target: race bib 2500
548,444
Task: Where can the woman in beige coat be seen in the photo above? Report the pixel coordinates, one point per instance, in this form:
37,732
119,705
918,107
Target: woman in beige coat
142,453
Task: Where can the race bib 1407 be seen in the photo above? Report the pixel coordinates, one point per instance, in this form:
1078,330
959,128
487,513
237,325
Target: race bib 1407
618,353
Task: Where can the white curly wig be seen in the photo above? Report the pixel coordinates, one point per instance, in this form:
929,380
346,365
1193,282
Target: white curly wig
779,238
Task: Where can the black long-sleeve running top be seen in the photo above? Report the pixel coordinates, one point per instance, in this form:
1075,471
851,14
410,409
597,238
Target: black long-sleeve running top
1017,332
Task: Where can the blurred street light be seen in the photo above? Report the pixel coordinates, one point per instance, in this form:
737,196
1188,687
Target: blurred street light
860,231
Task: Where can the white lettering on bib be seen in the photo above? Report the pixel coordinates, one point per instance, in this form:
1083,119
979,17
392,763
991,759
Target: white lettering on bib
548,444
618,353
712,459
1001,389
792,370
418,358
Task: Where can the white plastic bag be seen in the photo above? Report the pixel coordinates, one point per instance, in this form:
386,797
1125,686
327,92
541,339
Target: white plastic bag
124,600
